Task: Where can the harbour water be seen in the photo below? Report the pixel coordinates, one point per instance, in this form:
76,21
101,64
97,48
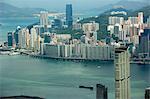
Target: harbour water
53,79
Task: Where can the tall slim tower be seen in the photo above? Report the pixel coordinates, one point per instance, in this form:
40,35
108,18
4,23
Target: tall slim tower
33,39
69,17
122,73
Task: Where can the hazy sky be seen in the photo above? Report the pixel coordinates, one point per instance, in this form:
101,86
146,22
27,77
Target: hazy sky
59,5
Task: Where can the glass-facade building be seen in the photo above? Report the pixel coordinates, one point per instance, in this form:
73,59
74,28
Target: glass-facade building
10,38
69,17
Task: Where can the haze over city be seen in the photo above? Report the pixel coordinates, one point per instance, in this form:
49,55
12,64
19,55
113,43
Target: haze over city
58,5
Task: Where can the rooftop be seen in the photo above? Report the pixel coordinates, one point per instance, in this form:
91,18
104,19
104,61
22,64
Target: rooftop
120,49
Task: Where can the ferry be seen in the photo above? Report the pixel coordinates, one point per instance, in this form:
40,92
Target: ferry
91,88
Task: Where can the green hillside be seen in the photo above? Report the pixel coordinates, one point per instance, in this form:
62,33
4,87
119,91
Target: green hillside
102,19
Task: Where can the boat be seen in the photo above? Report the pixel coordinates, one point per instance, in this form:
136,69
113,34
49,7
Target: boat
91,88
98,66
20,97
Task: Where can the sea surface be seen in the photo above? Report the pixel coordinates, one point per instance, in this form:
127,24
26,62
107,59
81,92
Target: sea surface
53,79
9,24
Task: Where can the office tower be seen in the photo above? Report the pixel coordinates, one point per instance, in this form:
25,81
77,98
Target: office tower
101,92
10,36
144,43
69,17
122,73
16,35
44,18
147,93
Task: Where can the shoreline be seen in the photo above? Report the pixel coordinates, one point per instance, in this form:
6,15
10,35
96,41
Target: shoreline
139,62
132,61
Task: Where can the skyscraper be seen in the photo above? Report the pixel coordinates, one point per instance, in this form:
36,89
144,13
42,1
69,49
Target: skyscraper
101,92
16,35
43,18
122,73
10,36
144,43
69,17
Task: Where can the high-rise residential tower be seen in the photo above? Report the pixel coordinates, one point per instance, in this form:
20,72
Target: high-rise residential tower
147,93
122,73
43,18
140,17
69,17
33,38
24,38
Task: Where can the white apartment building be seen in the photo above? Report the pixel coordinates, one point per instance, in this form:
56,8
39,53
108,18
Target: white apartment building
122,74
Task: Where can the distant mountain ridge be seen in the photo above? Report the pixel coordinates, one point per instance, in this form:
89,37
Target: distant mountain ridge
106,14
7,10
128,5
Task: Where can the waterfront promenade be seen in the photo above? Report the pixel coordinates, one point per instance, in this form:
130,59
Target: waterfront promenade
132,61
